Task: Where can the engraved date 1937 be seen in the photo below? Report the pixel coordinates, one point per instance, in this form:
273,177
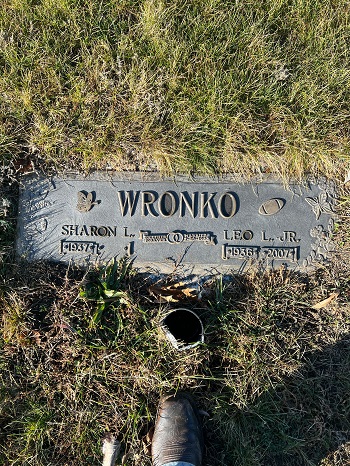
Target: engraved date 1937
76,247
289,254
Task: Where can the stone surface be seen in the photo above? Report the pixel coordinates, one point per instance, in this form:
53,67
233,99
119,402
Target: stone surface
202,226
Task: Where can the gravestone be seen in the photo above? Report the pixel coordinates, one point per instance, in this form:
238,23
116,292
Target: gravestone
204,226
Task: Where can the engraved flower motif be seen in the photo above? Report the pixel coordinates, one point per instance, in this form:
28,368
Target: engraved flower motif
320,204
330,246
316,231
322,247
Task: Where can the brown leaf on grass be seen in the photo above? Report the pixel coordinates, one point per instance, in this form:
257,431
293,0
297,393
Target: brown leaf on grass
326,301
173,293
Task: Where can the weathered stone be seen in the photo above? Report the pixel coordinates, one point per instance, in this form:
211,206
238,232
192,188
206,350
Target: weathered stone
203,226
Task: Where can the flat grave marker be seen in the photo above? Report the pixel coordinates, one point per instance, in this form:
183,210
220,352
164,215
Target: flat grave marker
203,226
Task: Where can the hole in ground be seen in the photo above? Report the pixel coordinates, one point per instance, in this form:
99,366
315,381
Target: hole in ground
184,325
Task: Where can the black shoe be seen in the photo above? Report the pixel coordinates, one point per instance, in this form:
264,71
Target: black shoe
177,433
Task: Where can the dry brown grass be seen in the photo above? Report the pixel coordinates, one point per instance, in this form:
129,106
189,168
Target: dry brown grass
273,374
177,86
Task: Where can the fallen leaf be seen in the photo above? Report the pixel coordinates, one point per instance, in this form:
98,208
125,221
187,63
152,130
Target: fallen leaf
190,293
162,294
326,301
173,293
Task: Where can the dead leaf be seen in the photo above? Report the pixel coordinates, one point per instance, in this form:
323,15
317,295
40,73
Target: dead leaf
173,293
162,294
326,301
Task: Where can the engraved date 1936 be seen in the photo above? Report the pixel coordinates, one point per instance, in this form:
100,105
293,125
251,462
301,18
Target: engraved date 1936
289,254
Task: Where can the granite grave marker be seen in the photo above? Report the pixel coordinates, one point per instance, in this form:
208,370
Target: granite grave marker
205,226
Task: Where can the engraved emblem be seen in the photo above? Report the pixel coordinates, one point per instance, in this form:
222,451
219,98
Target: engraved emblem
177,237
272,206
320,204
85,201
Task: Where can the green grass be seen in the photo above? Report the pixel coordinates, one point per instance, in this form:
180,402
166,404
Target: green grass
208,86
205,86
272,374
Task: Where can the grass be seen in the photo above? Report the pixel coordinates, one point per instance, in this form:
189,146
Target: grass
83,354
200,86
208,86
272,375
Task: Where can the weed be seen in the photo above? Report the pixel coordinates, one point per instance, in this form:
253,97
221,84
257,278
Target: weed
15,325
106,289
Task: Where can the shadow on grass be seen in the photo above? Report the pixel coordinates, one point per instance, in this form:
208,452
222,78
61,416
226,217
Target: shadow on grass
299,422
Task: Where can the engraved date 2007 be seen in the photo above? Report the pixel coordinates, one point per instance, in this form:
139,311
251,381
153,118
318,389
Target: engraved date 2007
289,254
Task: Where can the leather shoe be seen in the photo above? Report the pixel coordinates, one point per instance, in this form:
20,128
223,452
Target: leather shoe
177,433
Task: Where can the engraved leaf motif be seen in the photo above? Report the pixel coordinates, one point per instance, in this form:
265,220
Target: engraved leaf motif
313,202
320,204
330,246
331,225
327,208
315,206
